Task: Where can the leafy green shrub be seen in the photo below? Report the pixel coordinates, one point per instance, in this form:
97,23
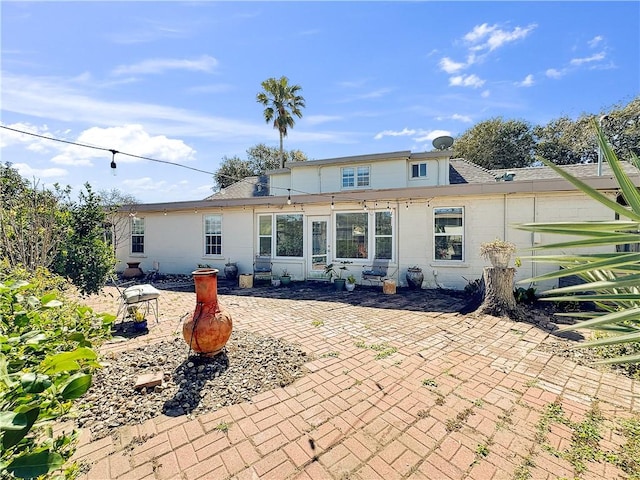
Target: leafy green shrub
46,360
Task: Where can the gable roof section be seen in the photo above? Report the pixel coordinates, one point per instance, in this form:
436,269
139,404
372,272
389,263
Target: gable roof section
462,171
249,187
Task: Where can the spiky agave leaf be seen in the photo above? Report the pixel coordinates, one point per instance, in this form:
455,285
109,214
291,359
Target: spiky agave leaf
611,280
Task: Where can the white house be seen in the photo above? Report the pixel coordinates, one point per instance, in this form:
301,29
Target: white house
414,209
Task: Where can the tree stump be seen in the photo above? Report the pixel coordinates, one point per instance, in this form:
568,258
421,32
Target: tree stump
498,298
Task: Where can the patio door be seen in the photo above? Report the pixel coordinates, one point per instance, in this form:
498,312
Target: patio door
318,256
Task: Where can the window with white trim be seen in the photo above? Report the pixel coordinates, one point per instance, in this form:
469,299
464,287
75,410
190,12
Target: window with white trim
448,231
363,236
419,170
282,234
213,234
137,235
356,177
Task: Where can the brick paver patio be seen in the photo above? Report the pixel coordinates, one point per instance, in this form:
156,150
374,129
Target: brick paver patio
463,397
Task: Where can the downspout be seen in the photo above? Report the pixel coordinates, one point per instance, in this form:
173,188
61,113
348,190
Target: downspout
504,217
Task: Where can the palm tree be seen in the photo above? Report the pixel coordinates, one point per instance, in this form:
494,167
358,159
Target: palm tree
282,102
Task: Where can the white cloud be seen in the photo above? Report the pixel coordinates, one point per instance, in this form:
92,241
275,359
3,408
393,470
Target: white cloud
485,94
394,133
461,118
418,135
527,82
205,63
144,184
595,41
472,81
29,172
128,138
593,58
449,66
491,37
149,32
553,73
32,143
432,134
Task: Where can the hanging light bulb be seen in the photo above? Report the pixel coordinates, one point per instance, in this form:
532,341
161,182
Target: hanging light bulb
113,162
365,206
289,197
332,204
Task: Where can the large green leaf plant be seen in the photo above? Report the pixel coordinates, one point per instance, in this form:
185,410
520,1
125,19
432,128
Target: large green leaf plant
46,360
611,280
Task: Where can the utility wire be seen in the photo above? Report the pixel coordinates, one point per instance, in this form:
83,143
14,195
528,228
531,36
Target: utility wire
105,149
114,152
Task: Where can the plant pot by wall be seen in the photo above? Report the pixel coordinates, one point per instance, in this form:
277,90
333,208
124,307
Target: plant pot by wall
231,271
414,277
339,284
285,280
350,286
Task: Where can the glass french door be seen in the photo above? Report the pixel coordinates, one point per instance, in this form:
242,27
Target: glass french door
318,257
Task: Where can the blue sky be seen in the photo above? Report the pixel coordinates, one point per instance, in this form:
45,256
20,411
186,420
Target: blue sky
177,81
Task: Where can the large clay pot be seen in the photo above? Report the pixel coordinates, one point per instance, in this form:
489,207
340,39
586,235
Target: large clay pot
414,277
231,271
210,327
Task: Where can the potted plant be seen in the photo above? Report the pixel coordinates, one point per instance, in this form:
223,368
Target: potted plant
351,283
498,252
230,270
275,281
285,277
138,317
334,273
414,277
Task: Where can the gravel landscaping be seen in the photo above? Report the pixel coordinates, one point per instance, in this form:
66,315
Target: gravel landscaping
191,384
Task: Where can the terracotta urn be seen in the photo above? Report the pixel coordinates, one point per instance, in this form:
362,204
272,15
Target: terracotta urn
210,326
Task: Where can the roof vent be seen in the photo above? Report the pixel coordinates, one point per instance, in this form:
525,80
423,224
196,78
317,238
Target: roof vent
505,177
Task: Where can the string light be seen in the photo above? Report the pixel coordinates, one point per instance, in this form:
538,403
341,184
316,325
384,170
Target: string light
365,206
259,185
113,162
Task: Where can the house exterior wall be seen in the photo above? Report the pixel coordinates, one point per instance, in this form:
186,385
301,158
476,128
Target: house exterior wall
176,240
327,178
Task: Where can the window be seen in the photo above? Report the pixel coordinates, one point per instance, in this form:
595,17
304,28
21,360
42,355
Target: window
448,230
353,239
213,234
418,170
264,235
384,235
288,236
137,235
355,177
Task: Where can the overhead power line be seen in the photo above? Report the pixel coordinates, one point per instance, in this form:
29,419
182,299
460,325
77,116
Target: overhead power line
111,150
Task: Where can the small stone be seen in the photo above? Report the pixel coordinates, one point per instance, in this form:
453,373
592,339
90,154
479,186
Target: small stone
148,380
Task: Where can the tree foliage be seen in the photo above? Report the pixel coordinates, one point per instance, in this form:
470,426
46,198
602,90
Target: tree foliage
281,101
31,224
112,202
86,257
44,228
497,143
260,158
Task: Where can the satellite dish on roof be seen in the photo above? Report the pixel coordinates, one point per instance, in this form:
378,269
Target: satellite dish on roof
442,143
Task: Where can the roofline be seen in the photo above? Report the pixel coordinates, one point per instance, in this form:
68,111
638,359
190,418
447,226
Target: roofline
374,157
456,190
